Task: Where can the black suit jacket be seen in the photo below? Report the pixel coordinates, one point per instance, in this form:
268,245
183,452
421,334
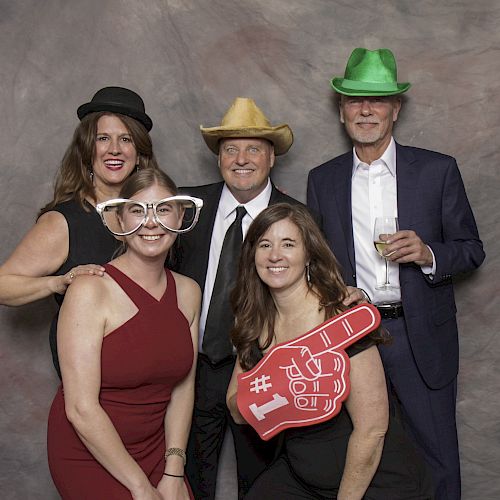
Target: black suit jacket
194,247
432,202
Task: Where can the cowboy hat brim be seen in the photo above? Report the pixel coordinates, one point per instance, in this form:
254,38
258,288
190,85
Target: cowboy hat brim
367,89
281,136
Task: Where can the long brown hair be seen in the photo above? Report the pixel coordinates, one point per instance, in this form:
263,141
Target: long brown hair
73,180
252,302
253,305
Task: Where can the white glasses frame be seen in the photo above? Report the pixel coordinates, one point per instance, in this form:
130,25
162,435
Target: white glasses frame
198,203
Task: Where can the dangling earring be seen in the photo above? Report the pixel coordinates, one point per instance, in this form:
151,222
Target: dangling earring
91,175
137,168
308,274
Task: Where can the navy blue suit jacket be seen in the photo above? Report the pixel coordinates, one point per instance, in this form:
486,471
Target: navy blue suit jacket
433,203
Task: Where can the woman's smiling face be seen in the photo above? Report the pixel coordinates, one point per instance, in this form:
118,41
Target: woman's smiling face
280,256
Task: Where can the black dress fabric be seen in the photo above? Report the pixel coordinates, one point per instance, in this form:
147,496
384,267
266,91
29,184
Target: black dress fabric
312,459
89,243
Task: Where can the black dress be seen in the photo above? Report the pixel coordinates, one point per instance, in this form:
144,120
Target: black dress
89,243
312,459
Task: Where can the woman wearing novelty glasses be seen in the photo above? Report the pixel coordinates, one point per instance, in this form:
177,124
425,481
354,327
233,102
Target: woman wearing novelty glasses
119,424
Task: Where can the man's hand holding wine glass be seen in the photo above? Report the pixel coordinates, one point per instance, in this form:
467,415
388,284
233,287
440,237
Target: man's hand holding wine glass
406,246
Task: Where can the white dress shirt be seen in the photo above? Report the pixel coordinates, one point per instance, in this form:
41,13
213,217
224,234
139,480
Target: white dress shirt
226,214
374,194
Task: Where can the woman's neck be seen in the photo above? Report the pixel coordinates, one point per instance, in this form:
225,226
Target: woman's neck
104,192
148,273
298,311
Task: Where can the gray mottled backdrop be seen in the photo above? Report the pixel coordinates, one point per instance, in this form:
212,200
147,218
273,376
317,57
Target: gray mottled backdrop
189,59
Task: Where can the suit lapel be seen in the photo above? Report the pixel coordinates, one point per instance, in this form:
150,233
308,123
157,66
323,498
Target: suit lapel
407,174
342,184
196,243
208,213
276,196
211,204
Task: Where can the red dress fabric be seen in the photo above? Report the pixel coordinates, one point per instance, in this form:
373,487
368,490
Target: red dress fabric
141,362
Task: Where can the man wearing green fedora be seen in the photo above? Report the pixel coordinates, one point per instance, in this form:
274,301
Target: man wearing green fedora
437,239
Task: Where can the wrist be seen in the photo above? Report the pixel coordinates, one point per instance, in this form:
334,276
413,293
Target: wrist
55,284
365,295
139,489
175,460
177,453
174,467
175,476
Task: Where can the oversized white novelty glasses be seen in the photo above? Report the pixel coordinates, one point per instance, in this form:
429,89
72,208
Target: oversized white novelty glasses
178,214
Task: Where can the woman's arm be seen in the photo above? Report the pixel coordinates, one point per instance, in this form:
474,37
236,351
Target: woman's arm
232,394
180,409
80,337
26,275
368,408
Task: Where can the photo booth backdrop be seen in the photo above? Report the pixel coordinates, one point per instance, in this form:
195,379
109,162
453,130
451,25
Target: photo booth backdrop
189,59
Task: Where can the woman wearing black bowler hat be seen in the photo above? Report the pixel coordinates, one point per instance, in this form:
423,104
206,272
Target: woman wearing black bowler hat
110,143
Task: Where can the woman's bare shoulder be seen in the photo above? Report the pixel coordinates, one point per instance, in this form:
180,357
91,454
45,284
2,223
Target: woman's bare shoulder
92,290
188,296
185,284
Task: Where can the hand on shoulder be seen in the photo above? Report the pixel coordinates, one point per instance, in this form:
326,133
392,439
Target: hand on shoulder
89,292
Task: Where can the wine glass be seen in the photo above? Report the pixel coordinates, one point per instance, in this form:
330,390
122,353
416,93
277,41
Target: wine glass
384,226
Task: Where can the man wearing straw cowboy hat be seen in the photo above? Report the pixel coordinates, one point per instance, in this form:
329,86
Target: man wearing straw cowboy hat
246,145
437,239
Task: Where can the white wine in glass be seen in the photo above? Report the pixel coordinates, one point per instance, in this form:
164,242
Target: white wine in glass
384,226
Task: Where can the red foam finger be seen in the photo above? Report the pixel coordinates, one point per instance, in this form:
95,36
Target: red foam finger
306,380
340,331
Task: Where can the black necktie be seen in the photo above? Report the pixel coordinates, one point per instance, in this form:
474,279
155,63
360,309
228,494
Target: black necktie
216,341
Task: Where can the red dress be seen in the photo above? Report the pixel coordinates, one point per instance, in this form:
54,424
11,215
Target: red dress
141,362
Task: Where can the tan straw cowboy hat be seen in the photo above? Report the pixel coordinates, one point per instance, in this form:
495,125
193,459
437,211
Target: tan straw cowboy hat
245,119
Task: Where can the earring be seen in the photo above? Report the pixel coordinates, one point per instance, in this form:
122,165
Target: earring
91,175
308,274
137,168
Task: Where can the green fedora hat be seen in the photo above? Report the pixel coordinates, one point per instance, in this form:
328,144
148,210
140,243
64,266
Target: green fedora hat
370,73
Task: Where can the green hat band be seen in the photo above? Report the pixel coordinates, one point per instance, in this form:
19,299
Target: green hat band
374,86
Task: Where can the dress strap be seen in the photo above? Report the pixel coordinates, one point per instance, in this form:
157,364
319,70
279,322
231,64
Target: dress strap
135,292
171,293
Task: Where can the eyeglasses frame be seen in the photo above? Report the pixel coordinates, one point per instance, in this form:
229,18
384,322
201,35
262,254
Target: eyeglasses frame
198,202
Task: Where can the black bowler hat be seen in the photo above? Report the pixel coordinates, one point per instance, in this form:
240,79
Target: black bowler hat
117,100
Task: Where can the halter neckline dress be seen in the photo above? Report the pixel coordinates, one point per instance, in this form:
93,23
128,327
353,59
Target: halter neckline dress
141,362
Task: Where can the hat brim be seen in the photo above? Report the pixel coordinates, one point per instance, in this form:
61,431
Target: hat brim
369,89
281,136
92,107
